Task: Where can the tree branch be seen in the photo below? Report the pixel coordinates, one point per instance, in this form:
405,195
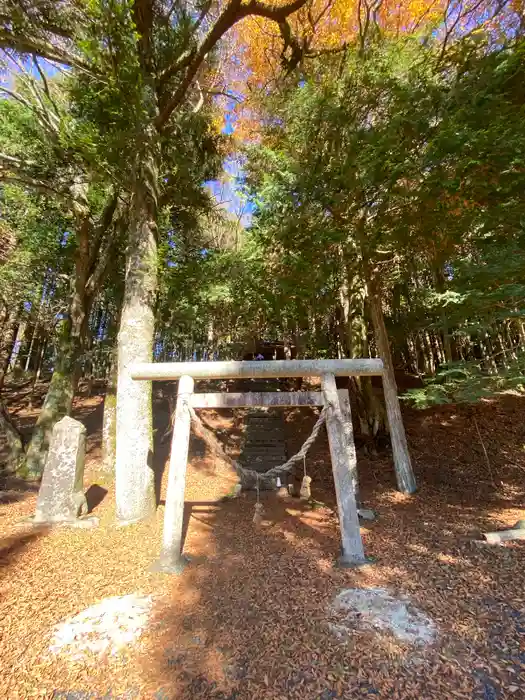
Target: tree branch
15,162
34,183
47,91
109,242
48,119
40,47
234,12
103,225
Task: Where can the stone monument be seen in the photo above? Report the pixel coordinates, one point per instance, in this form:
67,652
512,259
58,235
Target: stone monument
61,496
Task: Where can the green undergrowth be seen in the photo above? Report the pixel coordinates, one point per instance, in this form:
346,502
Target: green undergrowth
467,382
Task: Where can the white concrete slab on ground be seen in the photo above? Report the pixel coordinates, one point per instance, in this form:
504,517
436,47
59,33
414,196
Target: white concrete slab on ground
105,628
378,609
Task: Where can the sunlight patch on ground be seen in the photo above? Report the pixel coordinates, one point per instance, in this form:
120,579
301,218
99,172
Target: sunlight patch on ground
103,629
378,609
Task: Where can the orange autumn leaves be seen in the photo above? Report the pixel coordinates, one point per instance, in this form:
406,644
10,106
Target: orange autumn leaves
258,53
324,25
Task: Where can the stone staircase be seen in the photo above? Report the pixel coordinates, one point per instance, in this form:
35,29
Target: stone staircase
264,437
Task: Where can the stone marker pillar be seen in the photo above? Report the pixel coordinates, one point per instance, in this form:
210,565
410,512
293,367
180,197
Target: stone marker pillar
61,496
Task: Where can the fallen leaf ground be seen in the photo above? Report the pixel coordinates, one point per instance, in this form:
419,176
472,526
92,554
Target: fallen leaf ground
248,619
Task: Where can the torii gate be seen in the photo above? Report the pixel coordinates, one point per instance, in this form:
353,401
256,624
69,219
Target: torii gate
338,426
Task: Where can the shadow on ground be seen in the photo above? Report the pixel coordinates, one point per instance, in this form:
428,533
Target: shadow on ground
249,619
13,547
253,621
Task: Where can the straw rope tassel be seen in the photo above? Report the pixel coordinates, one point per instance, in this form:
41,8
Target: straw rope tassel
305,493
259,508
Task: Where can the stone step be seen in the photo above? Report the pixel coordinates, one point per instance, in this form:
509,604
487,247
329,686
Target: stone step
265,460
269,442
264,438
257,430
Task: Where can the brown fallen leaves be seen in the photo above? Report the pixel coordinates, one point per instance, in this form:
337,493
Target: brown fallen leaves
248,617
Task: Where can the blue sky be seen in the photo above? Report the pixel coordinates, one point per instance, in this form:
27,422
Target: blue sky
227,190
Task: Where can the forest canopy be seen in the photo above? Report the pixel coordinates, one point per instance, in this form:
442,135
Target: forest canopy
377,206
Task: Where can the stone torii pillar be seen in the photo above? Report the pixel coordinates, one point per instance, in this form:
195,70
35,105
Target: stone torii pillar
171,559
344,470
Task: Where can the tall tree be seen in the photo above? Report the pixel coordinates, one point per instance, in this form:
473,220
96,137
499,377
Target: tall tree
43,153
141,59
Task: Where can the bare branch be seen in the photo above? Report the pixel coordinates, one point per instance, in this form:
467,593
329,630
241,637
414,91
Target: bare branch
46,119
108,244
17,97
224,93
40,47
33,183
234,12
45,83
52,119
182,62
15,162
200,102
102,228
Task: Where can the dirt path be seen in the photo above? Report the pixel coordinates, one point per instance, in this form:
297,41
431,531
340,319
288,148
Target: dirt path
250,617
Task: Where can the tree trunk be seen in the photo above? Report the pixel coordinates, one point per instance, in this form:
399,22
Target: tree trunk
31,345
405,476
109,421
41,356
431,360
59,397
7,342
17,345
488,354
368,408
521,332
510,340
412,354
38,370
15,443
57,404
440,285
34,323
135,493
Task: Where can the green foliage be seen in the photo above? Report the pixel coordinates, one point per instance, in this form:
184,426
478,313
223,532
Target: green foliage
386,172
468,382
37,227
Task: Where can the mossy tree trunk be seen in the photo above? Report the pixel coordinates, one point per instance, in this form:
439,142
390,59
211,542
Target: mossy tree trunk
368,408
57,403
109,421
15,444
135,492
59,398
91,262
7,341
